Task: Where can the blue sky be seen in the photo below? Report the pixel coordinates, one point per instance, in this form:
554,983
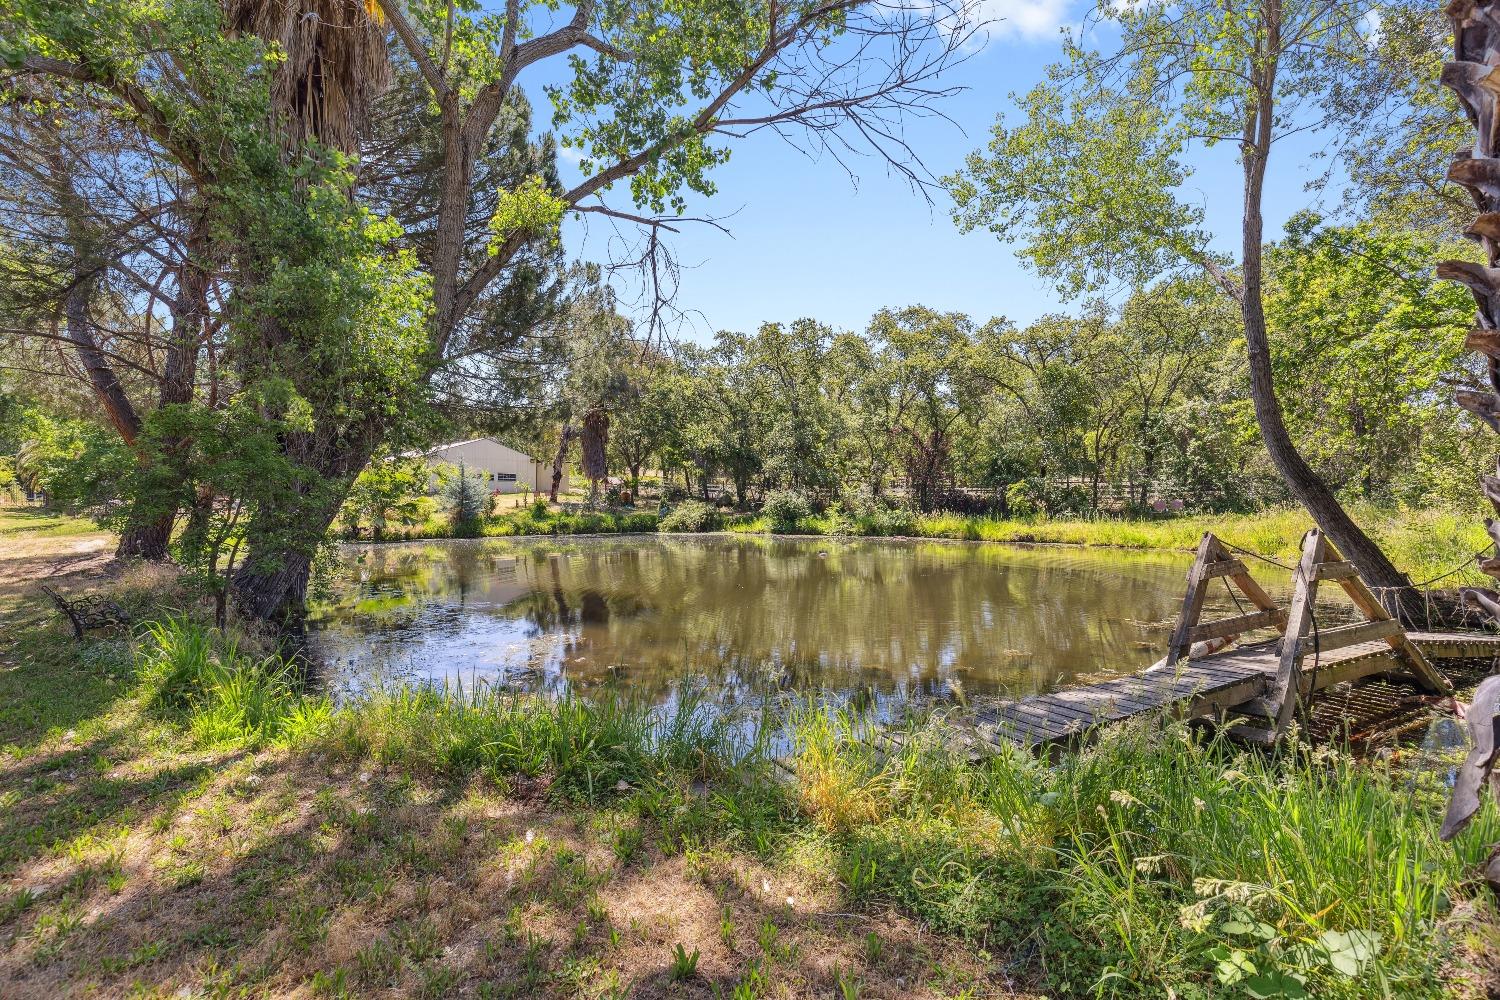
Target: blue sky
806,240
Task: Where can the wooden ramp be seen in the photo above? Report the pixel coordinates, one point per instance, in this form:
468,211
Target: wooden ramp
1261,683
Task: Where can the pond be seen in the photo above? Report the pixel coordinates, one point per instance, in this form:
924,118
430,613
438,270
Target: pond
737,618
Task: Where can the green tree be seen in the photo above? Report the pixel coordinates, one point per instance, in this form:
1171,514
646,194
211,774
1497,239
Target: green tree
1363,334
468,501
388,490
1089,181
930,359
647,426
332,298
792,365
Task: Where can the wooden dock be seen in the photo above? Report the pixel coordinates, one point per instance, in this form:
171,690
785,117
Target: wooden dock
1219,686
1260,683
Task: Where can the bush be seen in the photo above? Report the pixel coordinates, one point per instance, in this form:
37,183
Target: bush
644,521
691,515
837,521
1022,500
10,488
886,522
786,507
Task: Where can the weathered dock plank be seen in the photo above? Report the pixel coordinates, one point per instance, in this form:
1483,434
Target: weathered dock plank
1232,681
1265,679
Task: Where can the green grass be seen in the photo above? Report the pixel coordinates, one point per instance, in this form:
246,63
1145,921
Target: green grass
1426,544
537,519
36,522
1155,860
541,520
1155,857
194,672
1423,543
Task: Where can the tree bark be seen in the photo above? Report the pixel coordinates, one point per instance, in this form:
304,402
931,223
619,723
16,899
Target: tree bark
271,583
101,376
1476,36
277,592
148,535
1390,584
567,435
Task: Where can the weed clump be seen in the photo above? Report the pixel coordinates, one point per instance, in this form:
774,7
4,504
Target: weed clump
194,673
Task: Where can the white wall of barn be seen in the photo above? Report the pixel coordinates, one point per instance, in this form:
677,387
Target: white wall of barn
503,469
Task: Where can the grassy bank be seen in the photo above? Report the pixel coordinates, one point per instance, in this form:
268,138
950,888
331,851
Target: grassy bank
178,814
534,519
1424,543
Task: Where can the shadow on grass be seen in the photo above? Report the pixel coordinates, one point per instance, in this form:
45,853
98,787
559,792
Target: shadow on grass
280,872
49,681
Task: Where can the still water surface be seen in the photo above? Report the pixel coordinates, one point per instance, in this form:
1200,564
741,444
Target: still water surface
736,617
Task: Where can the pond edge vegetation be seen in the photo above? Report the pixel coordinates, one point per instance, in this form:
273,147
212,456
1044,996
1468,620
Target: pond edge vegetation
1425,543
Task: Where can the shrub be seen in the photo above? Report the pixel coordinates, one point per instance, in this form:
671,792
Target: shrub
467,502
691,515
643,521
786,507
10,488
886,521
1022,500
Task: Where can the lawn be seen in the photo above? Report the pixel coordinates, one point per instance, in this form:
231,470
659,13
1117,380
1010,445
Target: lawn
26,521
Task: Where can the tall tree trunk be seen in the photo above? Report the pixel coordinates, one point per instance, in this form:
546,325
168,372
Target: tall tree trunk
271,583
96,366
145,535
1390,584
568,433
276,591
148,533
593,443
334,64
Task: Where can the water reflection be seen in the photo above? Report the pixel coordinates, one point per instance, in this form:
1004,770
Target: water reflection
738,618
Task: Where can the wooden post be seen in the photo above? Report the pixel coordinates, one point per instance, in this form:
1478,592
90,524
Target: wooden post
1192,603
1304,594
1214,561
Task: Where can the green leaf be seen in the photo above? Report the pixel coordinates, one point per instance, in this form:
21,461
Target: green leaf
1267,985
1236,967
1350,951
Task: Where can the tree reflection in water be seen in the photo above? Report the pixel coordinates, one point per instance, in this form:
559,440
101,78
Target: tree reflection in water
736,619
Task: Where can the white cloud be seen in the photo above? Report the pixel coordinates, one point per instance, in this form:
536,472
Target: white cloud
1026,19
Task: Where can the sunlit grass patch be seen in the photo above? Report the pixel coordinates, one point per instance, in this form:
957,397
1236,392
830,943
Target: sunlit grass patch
1154,860
1154,856
42,523
584,748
